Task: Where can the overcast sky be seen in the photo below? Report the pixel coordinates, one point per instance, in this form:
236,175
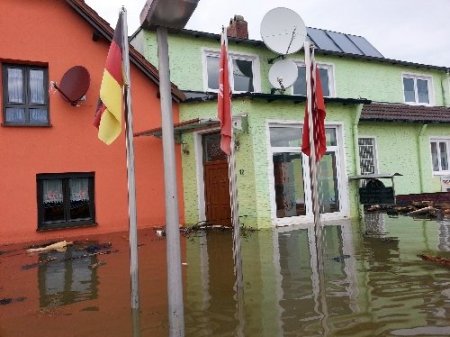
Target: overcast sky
407,30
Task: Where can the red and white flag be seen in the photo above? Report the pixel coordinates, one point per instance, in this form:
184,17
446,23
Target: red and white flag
318,116
224,97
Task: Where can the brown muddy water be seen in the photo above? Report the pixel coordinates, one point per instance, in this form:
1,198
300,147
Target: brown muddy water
369,281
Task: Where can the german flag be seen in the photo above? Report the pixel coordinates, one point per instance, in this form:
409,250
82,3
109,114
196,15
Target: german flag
108,116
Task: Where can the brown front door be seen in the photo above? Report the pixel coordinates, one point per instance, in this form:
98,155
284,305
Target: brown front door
217,196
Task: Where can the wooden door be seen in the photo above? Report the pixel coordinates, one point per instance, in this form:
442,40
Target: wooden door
217,196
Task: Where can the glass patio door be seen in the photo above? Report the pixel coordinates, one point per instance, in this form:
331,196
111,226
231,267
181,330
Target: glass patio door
291,180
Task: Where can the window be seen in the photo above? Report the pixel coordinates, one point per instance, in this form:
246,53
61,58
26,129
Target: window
291,177
440,154
326,77
25,95
417,89
367,155
245,72
65,200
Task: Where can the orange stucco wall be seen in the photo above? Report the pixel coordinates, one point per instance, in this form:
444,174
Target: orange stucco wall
50,32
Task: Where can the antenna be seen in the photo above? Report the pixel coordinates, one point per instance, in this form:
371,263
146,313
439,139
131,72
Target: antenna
282,74
74,85
283,31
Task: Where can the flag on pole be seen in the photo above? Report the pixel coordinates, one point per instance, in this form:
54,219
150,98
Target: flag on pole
318,116
224,96
108,116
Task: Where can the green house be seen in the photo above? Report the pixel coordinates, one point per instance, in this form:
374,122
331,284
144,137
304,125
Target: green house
384,116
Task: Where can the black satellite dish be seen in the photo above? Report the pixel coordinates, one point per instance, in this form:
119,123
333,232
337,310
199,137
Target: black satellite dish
74,84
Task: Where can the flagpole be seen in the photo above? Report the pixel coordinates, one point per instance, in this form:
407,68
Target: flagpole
174,275
134,266
312,145
237,257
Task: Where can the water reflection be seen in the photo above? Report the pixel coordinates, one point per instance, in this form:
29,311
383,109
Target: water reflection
366,281
66,277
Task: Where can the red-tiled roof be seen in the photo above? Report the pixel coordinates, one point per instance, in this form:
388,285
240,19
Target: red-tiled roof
405,113
104,29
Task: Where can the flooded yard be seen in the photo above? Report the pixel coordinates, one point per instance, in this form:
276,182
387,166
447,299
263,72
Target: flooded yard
369,281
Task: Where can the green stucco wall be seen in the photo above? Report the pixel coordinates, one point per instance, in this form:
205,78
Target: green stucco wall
405,148
401,147
252,158
353,77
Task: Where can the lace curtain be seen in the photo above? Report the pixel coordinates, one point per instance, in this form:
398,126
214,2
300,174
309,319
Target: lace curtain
15,85
79,189
36,83
52,191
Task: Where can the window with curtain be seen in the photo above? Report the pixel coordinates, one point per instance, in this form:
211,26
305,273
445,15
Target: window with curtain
417,89
299,87
440,154
242,68
65,200
25,95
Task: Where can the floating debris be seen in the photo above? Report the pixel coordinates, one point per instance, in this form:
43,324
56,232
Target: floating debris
9,300
435,259
60,246
341,258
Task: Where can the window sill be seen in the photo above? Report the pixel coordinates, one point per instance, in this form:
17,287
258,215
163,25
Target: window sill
441,173
10,125
63,226
419,104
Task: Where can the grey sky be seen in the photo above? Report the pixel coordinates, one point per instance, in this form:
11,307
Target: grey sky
407,30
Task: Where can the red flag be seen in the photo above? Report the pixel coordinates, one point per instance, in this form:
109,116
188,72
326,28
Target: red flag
224,97
318,116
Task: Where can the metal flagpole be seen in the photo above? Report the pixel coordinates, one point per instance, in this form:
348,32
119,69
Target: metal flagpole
134,268
174,277
237,258
312,147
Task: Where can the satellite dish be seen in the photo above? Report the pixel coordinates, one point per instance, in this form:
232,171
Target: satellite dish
74,84
283,31
283,74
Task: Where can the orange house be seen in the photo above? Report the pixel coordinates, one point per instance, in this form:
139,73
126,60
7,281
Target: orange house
57,180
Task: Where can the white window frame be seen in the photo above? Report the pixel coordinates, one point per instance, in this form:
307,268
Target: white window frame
430,86
440,140
339,150
331,78
232,56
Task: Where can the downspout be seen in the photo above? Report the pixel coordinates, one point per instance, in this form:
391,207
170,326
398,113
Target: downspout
445,85
359,108
423,128
355,130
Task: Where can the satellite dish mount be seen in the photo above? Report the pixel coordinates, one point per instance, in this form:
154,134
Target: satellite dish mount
283,32
74,85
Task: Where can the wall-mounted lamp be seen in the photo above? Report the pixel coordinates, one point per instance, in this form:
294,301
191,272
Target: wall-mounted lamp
185,148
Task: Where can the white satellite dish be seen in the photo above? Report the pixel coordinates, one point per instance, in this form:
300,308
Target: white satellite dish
283,74
283,31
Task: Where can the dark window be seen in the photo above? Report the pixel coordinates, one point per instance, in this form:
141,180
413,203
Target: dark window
300,83
65,200
25,95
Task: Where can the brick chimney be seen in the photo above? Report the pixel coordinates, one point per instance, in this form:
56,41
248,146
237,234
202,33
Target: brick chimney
238,28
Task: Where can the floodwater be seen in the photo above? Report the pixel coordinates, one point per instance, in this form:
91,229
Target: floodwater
368,281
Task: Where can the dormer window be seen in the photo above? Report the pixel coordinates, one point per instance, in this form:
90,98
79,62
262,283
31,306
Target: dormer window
417,89
245,71
326,78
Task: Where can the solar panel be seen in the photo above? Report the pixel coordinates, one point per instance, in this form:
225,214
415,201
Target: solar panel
341,43
346,45
322,40
365,46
